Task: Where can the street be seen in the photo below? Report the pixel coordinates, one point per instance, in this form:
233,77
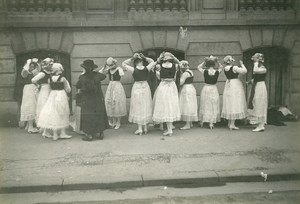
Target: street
248,193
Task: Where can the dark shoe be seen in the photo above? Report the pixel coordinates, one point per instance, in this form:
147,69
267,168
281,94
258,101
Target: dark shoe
99,136
87,138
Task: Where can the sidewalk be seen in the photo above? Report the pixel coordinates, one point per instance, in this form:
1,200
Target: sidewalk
200,156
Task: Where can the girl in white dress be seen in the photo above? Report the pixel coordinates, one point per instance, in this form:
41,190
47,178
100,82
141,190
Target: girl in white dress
56,111
188,96
41,80
30,93
234,100
166,101
115,98
258,101
141,100
209,110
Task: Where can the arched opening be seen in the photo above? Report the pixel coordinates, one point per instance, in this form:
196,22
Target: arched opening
276,61
154,53
58,56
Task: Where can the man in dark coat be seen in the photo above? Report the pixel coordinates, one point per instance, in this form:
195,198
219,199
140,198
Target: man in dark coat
93,112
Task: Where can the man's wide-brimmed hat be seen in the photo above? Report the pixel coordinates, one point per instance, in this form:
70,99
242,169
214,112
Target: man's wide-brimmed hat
89,64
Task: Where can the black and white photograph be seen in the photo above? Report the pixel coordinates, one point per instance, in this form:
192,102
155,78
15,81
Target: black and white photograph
149,101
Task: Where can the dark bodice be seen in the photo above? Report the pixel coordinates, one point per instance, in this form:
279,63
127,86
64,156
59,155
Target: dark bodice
230,74
190,79
27,80
45,79
167,73
211,79
56,85
140,75
114,77
259,77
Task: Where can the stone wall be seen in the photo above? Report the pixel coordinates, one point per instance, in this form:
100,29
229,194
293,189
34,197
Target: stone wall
98,44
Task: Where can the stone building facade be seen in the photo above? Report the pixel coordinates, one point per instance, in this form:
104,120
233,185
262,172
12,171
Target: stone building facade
74,30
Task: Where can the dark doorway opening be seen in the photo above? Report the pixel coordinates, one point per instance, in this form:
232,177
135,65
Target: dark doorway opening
59,57
154,53
276,62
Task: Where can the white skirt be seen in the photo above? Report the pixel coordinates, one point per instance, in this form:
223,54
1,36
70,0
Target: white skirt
29,100
140,104
115,100
209,110
55,113
188,103
166,103
234,100
260,104
42,99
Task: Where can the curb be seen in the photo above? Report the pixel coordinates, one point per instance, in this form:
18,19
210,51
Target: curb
177,183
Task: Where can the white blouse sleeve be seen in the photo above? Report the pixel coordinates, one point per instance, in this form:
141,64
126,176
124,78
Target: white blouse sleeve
38,77
183,77
200,67
240,70
259,70
121,72
67,86
126,65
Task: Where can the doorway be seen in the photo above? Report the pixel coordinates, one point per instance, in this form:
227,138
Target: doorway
59,57
276,62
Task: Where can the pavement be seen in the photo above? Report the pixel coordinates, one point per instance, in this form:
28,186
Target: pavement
195,158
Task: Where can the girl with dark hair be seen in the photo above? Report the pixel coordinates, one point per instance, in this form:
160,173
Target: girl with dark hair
141,100
209,110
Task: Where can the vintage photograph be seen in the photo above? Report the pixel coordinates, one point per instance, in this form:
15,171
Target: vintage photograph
149,101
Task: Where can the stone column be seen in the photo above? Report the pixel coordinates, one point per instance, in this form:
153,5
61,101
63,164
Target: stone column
79,9
193,7
232,9
3,10
121,9
297,8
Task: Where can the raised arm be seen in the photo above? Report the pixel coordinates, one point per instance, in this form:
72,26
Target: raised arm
259,70
240,70
150,62
157,71
38,77
220,67
104,70
201,67
25,70
24,73
126,65
67,86
183,77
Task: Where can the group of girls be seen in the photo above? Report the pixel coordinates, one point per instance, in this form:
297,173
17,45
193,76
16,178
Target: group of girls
45,105
168,105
